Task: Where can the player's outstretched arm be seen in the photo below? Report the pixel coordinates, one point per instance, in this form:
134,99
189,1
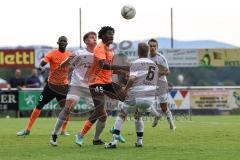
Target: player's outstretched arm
104,65
129,83
121,72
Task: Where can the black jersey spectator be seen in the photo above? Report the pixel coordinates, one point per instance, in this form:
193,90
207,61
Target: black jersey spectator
17,81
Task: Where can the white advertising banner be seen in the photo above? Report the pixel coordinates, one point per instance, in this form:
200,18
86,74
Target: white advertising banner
215,98
181,57
175,57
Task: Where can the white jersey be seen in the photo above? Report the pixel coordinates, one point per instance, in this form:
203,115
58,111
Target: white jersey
146,73
162,91
159,59
82,62
144,87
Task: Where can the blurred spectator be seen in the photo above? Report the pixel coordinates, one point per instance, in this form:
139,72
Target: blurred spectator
17,81
33,81
3,83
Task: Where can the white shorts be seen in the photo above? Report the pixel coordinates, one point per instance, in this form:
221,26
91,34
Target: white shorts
75,92
144,103
163,98
77,82
162,91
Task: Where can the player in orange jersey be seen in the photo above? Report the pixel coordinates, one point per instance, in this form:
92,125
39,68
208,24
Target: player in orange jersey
100,80
56,85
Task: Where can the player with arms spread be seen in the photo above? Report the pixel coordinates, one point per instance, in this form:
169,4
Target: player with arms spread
100,81
141,89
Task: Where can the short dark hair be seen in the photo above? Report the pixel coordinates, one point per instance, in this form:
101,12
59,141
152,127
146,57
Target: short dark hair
62,37
143,49
104,30
153,40
87,34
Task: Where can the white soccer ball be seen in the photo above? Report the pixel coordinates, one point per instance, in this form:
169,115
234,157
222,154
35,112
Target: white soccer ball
180,78
128,12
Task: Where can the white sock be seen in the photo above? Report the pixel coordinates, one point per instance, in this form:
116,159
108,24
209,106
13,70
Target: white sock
139,140
169,116
118,123
114,140
117,128
139,125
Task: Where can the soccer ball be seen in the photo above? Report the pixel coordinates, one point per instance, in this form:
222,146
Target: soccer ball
128,12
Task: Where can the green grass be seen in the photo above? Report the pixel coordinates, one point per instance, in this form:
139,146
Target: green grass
203,138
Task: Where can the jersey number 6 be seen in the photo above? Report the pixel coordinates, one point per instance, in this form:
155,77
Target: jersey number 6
150,74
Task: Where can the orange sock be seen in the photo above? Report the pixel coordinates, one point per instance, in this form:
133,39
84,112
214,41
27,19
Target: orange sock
65,124
87,126
36,112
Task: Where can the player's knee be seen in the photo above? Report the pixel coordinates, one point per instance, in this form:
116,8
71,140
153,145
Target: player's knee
103,119
122,114
164,107
39,106
103,116
62,103
70,103
66,110
92,120
72,99
137,115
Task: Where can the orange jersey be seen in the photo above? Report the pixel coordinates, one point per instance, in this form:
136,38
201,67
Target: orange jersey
57,76
98,75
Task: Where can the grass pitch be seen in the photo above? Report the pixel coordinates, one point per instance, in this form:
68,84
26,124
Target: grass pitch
203,138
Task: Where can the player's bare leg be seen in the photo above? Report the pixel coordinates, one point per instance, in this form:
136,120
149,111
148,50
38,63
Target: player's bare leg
100,125
64,125
62,118
99,114
156,115
167,111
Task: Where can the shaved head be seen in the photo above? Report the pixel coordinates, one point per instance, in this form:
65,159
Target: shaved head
62,38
